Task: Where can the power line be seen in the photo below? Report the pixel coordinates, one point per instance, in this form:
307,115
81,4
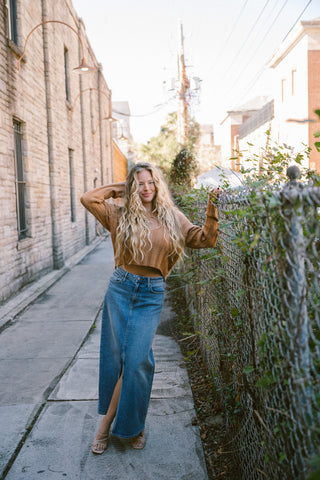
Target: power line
252,83
261,71
229,36
255,23
236,22
264,37
162,105
295,23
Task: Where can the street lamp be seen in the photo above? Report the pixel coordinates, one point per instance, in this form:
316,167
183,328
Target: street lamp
83,67
109,119
122,136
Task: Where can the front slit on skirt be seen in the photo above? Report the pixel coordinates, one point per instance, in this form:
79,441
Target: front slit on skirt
130,318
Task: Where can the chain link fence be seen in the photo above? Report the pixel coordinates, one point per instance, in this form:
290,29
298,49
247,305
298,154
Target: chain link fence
257,310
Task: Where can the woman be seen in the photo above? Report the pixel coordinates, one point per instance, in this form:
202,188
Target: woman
148,235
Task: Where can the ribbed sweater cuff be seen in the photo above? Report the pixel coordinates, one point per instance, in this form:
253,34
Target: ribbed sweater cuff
212,210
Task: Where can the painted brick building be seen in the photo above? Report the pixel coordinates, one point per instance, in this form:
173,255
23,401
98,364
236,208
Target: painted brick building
296,67
290,115
233,122
55,139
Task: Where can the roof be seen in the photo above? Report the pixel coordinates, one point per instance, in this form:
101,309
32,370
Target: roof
251,105
304,27
218,177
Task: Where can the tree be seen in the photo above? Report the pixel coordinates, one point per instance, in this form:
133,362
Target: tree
163,149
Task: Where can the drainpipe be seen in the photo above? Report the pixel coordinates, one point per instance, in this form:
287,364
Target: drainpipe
100,122
83,138
56,224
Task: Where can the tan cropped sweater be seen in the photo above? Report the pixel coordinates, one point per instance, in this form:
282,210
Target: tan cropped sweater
158,256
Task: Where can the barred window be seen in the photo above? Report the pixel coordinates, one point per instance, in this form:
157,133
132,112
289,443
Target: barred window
72,187
12,31
20,181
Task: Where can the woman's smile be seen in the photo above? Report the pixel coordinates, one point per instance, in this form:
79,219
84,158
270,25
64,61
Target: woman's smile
147,189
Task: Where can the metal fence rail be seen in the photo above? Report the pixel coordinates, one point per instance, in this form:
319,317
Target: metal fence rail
258,312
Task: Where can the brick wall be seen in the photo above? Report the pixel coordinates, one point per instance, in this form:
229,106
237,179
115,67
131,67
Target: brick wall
52,130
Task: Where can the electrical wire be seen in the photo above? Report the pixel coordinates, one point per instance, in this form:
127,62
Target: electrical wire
259,45
235,23
255,23
162,105
295,23
261,71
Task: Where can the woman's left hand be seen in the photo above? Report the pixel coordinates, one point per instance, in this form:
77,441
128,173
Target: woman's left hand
214,194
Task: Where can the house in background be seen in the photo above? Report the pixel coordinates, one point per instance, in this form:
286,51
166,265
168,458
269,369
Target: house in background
254,137
230,126
290,115
122,138
208,154
296,68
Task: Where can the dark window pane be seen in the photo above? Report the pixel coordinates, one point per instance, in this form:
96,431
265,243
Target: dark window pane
20,182
66,73
72,187
12,20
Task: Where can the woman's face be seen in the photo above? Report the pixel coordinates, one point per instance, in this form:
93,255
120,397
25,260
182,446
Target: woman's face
147,189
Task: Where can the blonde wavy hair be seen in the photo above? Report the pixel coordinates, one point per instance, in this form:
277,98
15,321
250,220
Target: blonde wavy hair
133,232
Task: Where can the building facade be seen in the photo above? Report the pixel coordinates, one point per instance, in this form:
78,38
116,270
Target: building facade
296,67
254,137
55,138
290,116
122,131
232,124
208,154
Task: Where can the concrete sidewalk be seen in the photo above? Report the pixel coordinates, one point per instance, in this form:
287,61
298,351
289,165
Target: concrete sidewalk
48,399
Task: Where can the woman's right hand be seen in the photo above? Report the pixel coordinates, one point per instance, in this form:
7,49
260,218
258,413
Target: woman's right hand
121,191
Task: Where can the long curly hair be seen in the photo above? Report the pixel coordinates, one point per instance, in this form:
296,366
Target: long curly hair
133,232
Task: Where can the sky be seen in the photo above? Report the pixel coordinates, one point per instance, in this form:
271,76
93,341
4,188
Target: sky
227,44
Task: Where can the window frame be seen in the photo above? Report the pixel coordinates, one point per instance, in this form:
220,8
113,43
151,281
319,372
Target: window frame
20,180
66,74
12,23
72,186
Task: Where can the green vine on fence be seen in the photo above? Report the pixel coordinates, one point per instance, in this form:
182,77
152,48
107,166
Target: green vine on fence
253,362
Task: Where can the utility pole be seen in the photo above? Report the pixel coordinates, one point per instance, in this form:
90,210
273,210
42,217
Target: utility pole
182,93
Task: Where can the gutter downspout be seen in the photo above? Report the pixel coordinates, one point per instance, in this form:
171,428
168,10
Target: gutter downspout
83,138
56,224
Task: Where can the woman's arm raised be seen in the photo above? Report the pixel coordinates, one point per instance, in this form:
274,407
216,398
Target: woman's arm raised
94,201
207,236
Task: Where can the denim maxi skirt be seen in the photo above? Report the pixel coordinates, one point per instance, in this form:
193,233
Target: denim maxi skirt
130,317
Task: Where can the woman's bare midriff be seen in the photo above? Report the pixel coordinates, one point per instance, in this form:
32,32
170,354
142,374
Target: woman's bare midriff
142,270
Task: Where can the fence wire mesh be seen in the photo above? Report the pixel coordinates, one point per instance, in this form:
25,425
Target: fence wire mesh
258,314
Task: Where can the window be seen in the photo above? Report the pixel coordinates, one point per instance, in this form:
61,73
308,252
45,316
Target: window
72,187
293,81
66,73
11,6
20,181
